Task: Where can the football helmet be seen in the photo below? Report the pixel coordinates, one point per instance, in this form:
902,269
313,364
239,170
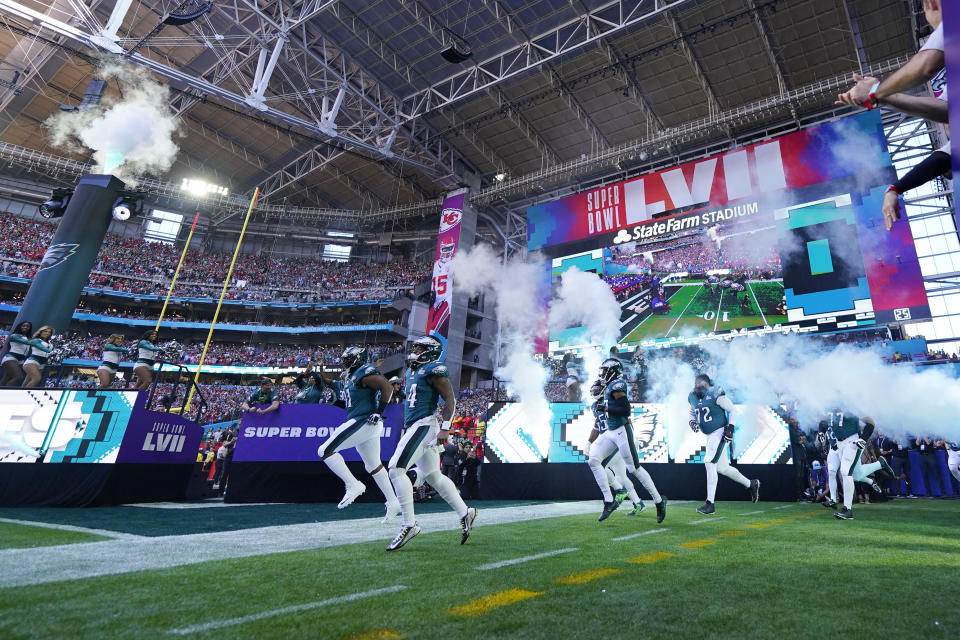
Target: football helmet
353,357
447,248
610,370
423,350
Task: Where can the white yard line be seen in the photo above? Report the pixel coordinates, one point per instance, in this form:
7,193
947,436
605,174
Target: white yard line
637,535
711,519
786,506
507,563
757,302
667,334
129,553
753,513
229,622
198,505
718,310
116,535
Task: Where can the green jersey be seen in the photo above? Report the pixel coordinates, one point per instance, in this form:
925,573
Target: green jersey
261,397
360,401
843,424
309,394
708,414
620,384
422,398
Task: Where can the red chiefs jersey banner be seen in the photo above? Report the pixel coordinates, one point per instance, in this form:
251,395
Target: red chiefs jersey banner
447,241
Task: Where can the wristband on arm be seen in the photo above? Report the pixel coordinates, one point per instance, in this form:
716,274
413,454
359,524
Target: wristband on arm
871,102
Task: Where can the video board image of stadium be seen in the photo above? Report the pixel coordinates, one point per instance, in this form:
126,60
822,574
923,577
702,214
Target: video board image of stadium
786,235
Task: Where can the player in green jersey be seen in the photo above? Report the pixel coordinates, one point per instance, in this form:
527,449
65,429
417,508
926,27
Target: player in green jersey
364,393
710,410
427,381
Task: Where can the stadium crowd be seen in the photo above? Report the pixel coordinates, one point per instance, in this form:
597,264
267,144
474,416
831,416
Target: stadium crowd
134,265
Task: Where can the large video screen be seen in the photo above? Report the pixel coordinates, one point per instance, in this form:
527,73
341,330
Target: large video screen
786,235
660,431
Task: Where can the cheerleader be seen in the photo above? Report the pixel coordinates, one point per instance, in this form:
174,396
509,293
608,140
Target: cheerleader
112,352
147,350
19,347
40,349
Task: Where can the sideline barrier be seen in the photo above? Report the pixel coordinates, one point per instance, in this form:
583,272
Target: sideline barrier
71,447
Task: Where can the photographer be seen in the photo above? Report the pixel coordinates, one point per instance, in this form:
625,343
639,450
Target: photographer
471,468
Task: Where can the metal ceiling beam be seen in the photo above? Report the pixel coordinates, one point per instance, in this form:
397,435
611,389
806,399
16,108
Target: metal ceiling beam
630,81
712,103
860,55
371,109
547,152
762,31
572,35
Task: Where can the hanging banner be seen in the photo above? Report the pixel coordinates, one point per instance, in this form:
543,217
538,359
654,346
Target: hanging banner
448,239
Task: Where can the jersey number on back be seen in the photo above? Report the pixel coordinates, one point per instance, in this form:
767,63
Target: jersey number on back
346,398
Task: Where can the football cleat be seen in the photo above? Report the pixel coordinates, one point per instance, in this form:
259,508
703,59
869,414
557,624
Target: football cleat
661,509
876,488
620,496
886,466
393,509
844,514
466,524
353,492
608,508
754,490
637,509
829,504
707,508
406,534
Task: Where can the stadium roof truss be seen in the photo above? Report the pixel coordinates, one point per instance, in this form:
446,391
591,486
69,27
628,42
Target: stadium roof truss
344,110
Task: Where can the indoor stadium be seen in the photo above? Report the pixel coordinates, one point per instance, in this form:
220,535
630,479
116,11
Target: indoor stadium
384,319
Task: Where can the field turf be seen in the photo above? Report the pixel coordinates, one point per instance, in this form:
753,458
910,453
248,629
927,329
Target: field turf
751,571
693,312
20,536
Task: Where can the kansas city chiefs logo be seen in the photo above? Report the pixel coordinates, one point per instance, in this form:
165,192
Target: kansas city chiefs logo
450,218
57,254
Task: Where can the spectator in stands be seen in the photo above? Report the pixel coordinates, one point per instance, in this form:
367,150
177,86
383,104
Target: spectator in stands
266,395
448,460
311,386
36,361
18,347
398,395
223,464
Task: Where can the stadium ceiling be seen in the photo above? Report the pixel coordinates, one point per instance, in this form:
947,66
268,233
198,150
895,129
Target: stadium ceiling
346,109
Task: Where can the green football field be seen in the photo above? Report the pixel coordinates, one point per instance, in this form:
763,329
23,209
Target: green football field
549,570
692,311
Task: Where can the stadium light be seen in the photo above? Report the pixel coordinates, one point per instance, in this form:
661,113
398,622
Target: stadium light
57,204
500,176
128,204
202,188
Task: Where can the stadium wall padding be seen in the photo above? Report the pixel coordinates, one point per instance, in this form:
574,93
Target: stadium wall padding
314,482
90,485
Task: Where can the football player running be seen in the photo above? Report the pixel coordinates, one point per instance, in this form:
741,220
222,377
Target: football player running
619,437
364,393
427,380
847,442
616,469
710,410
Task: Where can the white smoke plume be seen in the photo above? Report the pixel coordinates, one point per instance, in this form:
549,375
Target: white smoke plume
130,134
902,399
515,290
585,300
